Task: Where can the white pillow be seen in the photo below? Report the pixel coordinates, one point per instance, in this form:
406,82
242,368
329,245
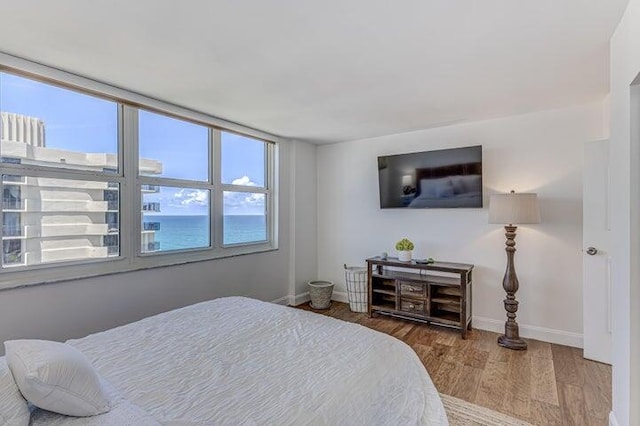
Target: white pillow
466,184
458,185
436,188
56,377
13,407
471,183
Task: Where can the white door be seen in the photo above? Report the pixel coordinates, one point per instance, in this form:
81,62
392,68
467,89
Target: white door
596,261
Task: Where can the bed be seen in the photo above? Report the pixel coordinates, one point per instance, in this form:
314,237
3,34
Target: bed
239,361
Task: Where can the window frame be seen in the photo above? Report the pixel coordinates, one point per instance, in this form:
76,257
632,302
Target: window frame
130,183
266,190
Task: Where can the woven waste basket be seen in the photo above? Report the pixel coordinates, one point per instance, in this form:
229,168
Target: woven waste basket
320,294
356,279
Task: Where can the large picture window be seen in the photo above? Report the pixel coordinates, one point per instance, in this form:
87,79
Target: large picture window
88,179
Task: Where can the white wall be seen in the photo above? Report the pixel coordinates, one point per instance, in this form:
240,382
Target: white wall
304,238
540,152
625,151
75,308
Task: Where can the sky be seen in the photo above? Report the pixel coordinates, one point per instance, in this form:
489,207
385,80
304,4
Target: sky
79,122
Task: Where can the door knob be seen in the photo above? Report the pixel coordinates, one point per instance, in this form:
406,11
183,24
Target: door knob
591,251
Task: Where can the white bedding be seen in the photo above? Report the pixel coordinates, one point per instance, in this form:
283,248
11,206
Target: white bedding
239,361
122,413
471,199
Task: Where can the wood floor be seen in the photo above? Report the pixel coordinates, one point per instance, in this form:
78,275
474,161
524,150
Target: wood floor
547,384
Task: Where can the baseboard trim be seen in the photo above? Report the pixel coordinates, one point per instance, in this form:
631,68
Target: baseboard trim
527,331
281,301
532,332
340,296
299,299
612,419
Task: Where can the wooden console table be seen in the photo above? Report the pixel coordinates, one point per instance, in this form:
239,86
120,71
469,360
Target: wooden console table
438,293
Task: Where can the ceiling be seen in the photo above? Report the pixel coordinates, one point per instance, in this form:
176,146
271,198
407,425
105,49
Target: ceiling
329,71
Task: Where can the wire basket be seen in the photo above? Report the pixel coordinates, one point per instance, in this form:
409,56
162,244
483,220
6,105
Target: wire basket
356,279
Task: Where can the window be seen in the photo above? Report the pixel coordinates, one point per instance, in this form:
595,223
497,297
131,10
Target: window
174,217
112,243
46,125
172,148
11,198
11,252
61,147
11,224
89,179
243,168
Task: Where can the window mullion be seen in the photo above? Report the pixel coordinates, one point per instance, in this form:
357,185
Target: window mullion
242,188
218,199
148,180
272,196
129,193
56,172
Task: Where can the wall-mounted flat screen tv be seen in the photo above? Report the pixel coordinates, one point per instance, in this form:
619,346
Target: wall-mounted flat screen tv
446,178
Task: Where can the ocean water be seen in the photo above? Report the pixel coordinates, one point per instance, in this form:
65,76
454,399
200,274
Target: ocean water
183,232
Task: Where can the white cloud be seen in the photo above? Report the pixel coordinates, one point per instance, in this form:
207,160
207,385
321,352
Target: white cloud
244,202
244,180
243,199
190,197
255,199
180,201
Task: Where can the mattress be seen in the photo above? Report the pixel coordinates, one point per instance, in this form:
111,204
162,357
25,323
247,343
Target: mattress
239,361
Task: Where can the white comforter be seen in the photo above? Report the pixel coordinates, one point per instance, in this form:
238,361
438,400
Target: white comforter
239,361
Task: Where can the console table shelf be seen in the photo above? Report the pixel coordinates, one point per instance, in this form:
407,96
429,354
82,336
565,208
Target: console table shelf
438,293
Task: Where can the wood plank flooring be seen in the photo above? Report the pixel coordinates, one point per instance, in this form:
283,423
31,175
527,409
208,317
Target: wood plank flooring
547,384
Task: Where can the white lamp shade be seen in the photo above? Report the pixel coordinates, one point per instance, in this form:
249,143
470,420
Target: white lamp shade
514,209
407,180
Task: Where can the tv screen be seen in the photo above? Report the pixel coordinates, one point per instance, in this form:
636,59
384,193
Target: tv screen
447,178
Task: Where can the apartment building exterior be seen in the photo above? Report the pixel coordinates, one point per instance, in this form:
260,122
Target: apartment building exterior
53,220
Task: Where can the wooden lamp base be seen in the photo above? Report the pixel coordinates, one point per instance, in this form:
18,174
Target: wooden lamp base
516,344
511,337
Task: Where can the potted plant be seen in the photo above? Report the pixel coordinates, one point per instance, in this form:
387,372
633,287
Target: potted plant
404,247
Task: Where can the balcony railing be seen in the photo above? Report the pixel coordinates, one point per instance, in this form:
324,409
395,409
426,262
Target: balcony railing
11,231
112,204
10,160
12,258
12,204
151,226
150,188
151,206
12,178
12,252
153,246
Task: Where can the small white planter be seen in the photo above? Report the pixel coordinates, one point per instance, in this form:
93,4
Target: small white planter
404,255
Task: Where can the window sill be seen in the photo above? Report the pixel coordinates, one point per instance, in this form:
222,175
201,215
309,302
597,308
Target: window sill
61,273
